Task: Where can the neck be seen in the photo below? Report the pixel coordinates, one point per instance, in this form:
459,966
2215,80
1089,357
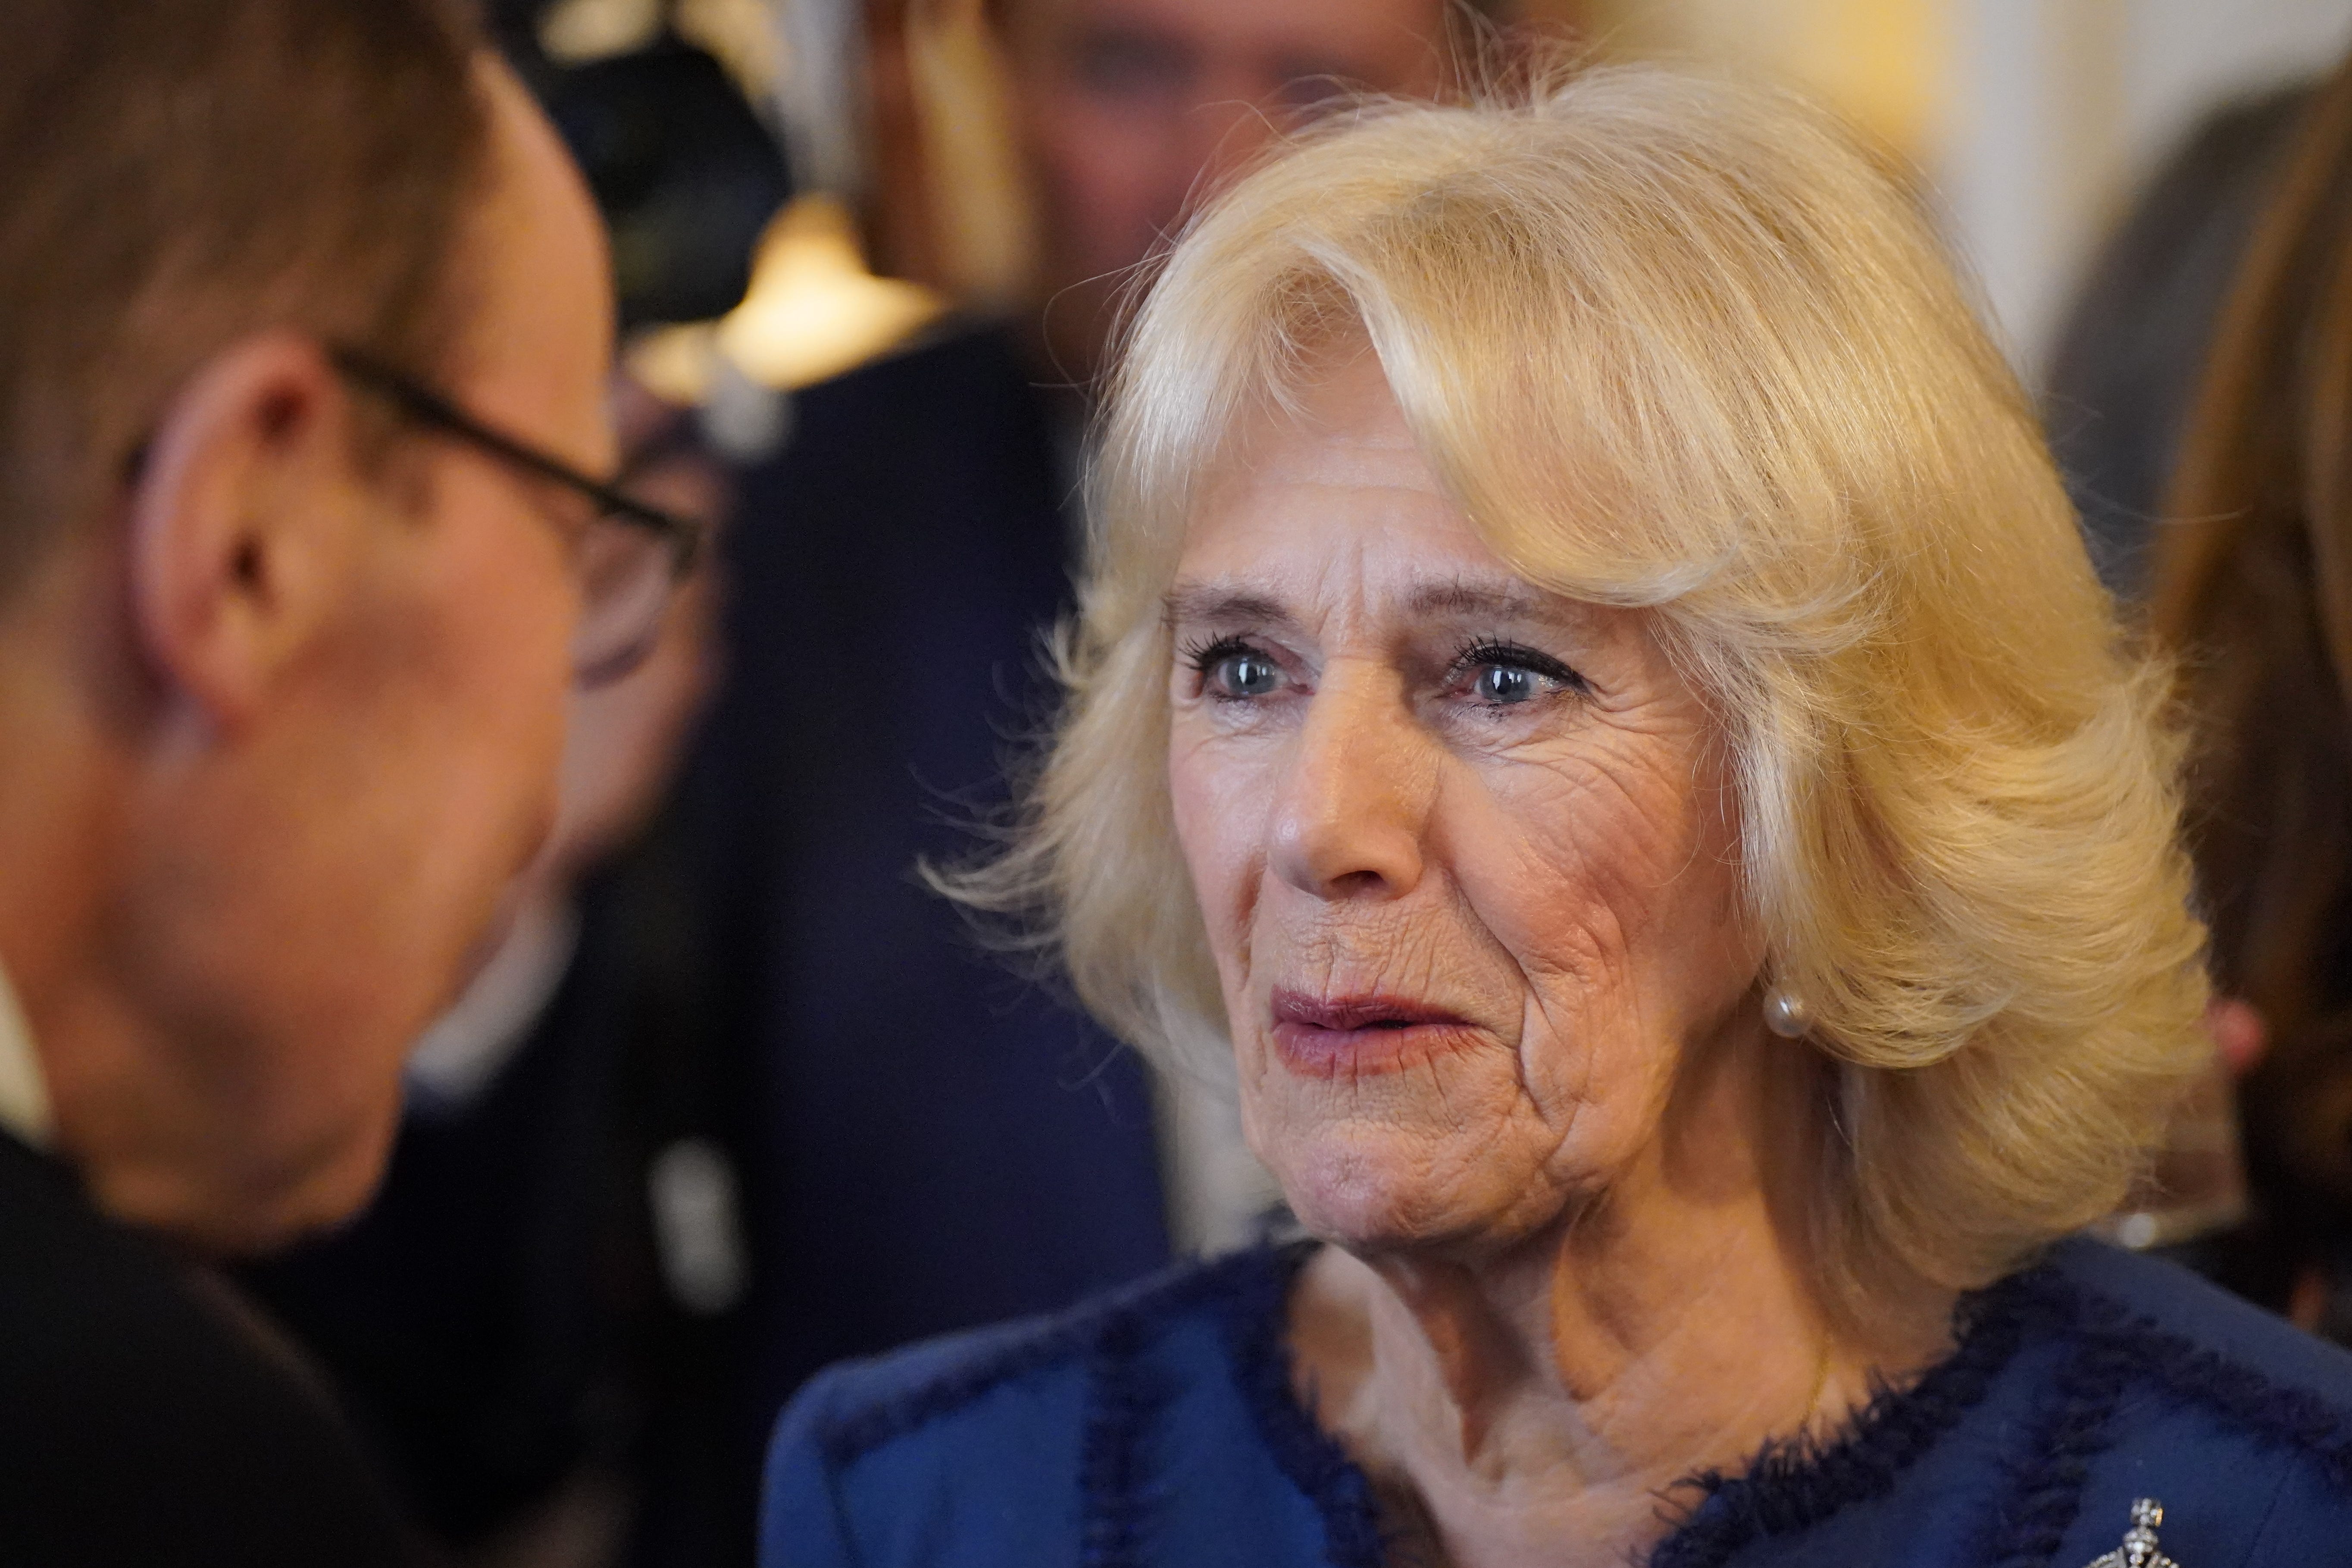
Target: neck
71,713
60,827
1535,1401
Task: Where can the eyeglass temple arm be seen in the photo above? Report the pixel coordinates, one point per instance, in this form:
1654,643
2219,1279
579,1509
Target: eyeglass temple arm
684,535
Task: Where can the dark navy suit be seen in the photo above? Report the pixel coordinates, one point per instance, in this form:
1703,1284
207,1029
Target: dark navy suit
940,1144
143,1426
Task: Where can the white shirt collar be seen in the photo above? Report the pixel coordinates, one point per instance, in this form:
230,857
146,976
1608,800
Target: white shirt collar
23,1093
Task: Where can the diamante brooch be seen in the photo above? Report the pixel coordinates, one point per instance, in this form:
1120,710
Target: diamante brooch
2138,1550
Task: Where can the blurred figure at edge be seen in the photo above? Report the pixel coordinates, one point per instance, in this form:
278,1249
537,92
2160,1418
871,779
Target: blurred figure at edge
2129,354
534,1325
302,436
1128,111
2250,587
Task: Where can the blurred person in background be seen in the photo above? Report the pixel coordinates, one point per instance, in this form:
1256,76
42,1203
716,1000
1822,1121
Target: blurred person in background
2252,587
2133,347
1128,112
2127,363
534,1325
942,1143
539,1325
303,439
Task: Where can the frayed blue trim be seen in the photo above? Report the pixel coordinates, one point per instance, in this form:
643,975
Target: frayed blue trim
2289,1417
1066,1338
1258,1322
1115,1488
1796,1484
2115,1348
2295,1418
1789,1487
2046,1486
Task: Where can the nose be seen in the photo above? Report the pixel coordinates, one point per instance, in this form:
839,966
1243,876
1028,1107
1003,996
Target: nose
1354,804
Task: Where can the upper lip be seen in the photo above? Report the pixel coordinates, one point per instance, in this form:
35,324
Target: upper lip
1359,1012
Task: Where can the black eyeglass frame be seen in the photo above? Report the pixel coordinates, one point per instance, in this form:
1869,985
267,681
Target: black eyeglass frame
684,535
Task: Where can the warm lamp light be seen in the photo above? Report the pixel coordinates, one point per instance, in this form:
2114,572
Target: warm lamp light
813,312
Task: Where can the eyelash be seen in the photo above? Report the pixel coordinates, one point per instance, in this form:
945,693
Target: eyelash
1203,655
1477,652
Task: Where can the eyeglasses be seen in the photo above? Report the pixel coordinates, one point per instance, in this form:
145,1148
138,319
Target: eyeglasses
632,555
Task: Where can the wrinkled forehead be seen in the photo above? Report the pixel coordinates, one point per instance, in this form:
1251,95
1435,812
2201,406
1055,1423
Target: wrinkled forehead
1329,502
1335,423
1316,485
1322,414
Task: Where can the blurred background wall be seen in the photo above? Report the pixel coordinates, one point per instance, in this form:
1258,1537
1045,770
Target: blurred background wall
2034,119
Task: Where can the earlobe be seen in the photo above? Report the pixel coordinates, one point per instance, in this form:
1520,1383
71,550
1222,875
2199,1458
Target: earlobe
232,521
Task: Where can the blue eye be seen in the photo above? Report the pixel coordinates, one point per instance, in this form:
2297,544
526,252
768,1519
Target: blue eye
1234,670
1505,675
1503,685
1242,673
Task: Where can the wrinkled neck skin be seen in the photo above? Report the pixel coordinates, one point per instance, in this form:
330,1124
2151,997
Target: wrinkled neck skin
1535,1401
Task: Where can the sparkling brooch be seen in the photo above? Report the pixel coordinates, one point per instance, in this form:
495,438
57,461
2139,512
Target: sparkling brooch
2138,1550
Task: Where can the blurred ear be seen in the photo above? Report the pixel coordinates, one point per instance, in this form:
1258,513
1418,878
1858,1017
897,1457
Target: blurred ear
239,523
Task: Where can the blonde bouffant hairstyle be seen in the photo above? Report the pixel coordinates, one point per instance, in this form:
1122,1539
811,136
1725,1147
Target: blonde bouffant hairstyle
1684,346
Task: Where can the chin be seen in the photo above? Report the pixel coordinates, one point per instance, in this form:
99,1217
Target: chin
1363,1198
331,1181
1372,1191
333,1196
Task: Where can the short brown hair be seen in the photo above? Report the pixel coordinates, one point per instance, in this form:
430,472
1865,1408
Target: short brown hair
177,173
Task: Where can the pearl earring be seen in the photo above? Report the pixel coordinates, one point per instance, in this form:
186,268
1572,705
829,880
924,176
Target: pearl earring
1786,1014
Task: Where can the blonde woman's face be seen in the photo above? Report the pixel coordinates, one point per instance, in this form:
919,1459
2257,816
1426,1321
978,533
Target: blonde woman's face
1465,849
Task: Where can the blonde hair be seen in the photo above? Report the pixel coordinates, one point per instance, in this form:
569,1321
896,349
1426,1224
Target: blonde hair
1674,343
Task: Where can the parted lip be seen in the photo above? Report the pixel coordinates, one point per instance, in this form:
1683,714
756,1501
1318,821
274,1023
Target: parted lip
1371,1011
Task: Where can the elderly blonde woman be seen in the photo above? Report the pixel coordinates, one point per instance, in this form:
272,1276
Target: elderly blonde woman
1589,697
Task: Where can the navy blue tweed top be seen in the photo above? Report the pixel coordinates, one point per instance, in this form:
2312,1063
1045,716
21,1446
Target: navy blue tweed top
1157,1427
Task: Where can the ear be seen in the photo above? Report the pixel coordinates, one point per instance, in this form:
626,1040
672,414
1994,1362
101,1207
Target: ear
238,522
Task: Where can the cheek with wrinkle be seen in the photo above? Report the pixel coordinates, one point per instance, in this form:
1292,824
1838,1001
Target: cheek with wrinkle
1465,942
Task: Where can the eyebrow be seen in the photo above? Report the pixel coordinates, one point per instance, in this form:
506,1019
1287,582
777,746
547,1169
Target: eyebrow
1212,602
1514,600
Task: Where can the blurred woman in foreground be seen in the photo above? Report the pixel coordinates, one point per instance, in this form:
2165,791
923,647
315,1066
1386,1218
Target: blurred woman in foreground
1591,702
